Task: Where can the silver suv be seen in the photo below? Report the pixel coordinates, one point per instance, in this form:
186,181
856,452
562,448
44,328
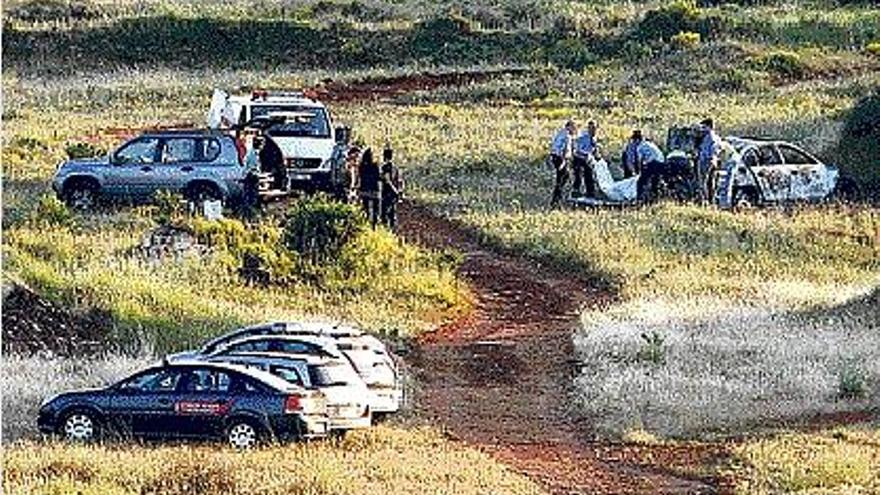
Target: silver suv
200,164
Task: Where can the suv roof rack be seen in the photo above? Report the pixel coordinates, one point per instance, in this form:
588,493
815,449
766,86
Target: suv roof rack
262,94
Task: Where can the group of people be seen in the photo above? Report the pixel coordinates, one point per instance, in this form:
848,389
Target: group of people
379,187
641,158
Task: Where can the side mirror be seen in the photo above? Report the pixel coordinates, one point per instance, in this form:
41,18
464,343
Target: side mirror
343,134
112,159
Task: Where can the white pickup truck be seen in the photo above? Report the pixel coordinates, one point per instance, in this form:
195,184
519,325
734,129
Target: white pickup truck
313,150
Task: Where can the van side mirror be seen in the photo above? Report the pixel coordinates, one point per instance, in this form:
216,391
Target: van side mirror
343,134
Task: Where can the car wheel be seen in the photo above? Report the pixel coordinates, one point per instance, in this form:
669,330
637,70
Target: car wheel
80,426
242,435
80,195
744,199
201,191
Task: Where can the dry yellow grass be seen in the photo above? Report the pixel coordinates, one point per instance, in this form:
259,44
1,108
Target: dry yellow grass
383,460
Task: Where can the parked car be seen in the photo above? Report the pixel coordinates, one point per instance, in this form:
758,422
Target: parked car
191,400
777,172
285,344
368,355
348,399
202,165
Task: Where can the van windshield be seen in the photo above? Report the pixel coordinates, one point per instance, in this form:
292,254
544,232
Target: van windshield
298,121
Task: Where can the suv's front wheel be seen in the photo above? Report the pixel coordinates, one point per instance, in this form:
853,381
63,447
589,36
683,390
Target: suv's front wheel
203,191
80,194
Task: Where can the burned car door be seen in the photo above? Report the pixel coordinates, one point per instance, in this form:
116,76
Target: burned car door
774,180
809,178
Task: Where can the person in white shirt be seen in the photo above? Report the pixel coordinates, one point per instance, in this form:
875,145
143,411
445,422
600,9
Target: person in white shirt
560,151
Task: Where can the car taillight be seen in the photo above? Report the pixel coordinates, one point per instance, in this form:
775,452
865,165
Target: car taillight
293,404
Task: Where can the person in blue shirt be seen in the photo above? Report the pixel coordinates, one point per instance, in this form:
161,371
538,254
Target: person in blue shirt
651,162
560,151
585,149
628,159
707,157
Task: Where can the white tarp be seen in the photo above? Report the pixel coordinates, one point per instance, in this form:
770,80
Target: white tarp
622,190
223,111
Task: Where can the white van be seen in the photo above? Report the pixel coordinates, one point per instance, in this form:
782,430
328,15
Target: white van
302,127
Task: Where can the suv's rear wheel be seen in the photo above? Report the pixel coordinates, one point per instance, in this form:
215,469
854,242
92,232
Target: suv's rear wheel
80,194
203,191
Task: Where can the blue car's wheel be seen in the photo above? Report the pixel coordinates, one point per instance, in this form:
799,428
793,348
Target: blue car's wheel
242,434
80,194
80,426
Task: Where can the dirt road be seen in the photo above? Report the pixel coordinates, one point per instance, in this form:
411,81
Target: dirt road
500,377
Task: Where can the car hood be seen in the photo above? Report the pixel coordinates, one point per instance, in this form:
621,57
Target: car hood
77,394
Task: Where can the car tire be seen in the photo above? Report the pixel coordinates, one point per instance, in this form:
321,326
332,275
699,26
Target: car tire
744,199
203,191
80,194
80,426
243,434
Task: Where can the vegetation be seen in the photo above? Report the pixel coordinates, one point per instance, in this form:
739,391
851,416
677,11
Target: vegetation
382,459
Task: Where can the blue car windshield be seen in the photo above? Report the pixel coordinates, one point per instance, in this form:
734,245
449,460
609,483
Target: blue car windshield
299,121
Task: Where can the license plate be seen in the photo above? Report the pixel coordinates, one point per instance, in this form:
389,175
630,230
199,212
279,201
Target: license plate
300,176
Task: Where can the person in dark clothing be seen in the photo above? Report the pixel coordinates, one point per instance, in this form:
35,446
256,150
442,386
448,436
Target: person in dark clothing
585,148
560,151
272,161
392,189
369,183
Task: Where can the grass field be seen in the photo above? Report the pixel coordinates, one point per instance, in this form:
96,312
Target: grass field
737,305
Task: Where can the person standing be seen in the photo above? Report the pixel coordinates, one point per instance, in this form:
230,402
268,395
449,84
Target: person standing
707,158
651,162
560,150
629,158
392,189
369,184
584,150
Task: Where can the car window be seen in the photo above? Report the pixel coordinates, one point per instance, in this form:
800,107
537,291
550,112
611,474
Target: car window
209,149
138,151
255,346
794,156
176,150
751,158
156,381
768,155
294,347
332,375
287,374
207,380
247,384
298,120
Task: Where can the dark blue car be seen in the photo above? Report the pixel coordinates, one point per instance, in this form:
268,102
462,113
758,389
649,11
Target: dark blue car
190,400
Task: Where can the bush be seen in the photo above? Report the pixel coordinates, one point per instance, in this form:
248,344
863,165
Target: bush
83,150
686,39
873,48
317,229
430,35
665,22
52,210
653,349
852,383
571,54
857,149
784,64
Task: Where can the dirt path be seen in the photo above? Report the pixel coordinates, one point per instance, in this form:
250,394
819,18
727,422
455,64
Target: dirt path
499,378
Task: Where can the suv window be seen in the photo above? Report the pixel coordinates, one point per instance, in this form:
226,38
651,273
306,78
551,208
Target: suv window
207,380
769,155
287,374
209,149
176,150
795,157
156,381
139,151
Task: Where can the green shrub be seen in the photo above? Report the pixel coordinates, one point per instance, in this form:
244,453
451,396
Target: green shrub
439,32
857,149
784,64
873,48
170,205
669,20
653,349
83,150
686,39
317,229
571,54
852,383
52,210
